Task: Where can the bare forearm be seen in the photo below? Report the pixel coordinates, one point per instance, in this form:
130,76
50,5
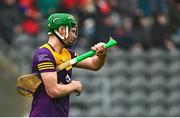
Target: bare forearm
55,90
95,62
62,90
98,61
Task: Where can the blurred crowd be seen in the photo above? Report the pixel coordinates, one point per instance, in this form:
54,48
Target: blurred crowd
135,24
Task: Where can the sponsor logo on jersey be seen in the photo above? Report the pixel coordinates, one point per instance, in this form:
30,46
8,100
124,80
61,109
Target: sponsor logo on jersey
68,79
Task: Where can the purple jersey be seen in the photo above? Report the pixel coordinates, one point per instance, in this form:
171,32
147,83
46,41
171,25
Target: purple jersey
46,59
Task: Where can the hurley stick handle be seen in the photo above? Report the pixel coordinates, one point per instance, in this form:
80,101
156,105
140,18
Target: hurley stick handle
109,44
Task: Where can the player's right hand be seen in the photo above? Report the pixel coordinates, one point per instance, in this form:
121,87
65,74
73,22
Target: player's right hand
77,87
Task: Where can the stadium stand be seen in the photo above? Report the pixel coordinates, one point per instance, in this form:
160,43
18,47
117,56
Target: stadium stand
135,93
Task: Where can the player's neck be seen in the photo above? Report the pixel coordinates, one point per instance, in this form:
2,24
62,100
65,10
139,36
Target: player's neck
56,44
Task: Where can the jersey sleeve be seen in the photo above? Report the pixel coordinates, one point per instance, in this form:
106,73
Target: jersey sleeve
44,60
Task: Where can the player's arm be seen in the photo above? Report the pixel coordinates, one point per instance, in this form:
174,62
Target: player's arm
95,62
55,90
46,66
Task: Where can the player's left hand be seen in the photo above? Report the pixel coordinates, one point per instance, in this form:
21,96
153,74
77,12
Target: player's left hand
100,50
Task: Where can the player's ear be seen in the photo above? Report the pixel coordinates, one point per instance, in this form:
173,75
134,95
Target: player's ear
62,30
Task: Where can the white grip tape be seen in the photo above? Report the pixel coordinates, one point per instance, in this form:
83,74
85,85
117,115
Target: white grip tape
73,61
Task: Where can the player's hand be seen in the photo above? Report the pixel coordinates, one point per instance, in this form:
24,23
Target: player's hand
77,87
100,50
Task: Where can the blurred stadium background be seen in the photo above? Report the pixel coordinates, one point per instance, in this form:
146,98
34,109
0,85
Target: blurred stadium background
141,76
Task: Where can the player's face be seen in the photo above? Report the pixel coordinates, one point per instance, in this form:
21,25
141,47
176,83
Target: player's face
72,36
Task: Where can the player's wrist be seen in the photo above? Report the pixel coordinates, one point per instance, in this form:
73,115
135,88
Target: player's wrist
73,86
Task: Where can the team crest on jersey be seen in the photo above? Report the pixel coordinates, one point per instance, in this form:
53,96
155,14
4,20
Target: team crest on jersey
43,57
68,79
